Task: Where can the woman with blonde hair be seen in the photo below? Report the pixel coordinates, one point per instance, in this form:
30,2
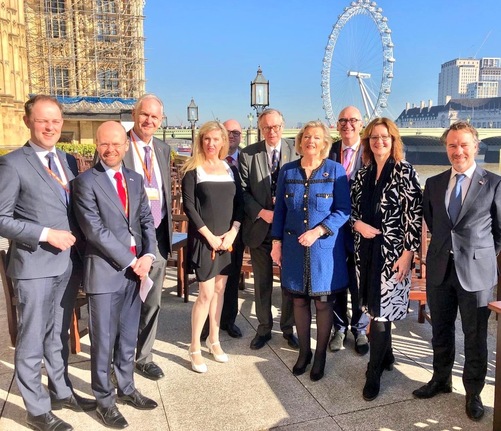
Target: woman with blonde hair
212,200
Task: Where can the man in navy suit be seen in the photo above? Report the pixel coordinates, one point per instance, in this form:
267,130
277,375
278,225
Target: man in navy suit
113,211
462,208
35,215
348,151
150,157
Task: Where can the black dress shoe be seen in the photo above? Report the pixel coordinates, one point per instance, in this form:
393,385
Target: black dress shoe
474,407
111,417
259,341
150,370
233,330
137,400
372,383
74,402
431,389
301,364
361,344
47,422
292,341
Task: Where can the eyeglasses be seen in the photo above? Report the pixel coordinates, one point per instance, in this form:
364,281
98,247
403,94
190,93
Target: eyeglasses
114,146
234,132
377,138
352,121
275,128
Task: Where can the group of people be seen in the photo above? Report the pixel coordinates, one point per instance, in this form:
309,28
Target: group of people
336,218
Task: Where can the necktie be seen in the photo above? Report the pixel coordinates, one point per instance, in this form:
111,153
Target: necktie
456,199
230,160
348,153
55,171
122,194
274,162
156,209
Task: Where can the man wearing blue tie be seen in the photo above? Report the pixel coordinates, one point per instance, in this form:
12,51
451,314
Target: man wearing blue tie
462,208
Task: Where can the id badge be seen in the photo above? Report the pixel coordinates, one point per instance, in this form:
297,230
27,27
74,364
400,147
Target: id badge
152,193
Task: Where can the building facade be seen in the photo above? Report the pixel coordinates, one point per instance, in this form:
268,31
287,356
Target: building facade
454,77
14,84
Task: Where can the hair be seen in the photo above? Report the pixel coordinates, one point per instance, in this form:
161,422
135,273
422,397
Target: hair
397,146
144,97
28,106
268,112
327,138
198,156
463,126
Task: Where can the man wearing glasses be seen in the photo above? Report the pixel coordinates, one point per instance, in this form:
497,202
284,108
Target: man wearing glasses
348,152
259,166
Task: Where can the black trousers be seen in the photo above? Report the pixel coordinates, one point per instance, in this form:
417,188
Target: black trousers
444,301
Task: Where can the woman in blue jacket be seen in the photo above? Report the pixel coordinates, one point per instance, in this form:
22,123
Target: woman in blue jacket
312,204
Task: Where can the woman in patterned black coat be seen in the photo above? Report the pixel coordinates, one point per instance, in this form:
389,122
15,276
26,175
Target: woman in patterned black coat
312,204
386,217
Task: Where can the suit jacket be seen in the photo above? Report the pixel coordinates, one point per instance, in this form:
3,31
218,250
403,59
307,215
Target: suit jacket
335,154
162,156
107,228
475,239
256,187
30,199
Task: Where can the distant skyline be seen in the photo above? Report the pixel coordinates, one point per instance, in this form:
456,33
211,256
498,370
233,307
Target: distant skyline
211,51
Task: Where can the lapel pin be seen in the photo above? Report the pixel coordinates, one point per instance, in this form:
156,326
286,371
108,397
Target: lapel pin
325,174
481,182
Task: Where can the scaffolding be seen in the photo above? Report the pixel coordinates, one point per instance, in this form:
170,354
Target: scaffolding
86,48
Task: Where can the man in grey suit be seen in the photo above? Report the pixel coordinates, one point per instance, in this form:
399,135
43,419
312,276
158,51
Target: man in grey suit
348,151
35,216
259,164
462,208
113,211
150,157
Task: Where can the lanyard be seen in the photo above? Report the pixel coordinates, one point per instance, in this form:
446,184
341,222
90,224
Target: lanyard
53,175
147,174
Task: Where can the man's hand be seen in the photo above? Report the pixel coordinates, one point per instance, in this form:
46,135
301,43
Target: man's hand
61,239
142,266
266,215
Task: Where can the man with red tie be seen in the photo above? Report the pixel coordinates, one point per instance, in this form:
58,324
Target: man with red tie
113,211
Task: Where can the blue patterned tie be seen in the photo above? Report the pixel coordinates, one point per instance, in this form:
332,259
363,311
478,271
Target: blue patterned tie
455,201
156,210
274,162
54,169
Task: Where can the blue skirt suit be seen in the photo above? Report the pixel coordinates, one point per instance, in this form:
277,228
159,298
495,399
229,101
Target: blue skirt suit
305,203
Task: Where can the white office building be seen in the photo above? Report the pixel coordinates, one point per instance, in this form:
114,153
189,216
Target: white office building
454,77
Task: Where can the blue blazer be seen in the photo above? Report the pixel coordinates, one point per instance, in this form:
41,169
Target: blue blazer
303,204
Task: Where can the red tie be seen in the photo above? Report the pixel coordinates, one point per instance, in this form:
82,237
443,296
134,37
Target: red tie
229,159
122,194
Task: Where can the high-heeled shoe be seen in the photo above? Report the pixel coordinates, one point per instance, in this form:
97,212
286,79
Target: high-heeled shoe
317,370
198,368
300,367
223,357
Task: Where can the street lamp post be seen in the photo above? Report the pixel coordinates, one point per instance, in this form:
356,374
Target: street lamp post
260,95
164,126
192,118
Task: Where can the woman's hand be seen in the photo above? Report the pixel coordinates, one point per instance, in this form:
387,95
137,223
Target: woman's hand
308,238
366,230
276,253
228,238
213,240
403,265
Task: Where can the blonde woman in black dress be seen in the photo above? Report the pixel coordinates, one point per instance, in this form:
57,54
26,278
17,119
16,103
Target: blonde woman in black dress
212,200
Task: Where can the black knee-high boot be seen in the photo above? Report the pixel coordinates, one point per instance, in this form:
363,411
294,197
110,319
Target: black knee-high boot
380,340
302,318
324,325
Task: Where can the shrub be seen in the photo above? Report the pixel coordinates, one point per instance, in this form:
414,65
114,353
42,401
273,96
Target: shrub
85,150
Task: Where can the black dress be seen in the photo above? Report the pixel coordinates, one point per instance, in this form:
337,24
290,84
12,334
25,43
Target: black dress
214,201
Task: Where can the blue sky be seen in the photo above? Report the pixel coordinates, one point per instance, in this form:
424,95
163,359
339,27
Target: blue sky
210,50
